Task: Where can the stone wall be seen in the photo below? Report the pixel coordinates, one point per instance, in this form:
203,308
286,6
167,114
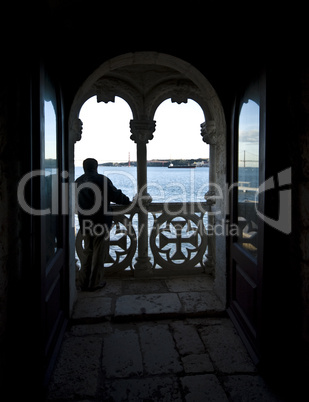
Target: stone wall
303,200
10,223
14,229
3,229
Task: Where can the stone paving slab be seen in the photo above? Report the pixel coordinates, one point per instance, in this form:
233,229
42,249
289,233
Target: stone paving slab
143,286
121,354
77,368
225,348
192,284
112,289
187,338
200,363
249,388
149,304
202,388
102,328
199,302
92,308
135,298
153,389
158,348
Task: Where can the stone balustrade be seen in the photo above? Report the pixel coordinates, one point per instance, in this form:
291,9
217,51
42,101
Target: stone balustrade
177,239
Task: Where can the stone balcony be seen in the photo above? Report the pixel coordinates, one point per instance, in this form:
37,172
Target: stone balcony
165,336
175,278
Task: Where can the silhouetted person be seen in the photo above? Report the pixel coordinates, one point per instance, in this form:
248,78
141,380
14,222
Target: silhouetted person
95,192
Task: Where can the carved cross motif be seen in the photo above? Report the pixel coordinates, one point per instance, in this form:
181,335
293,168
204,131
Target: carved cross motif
178,240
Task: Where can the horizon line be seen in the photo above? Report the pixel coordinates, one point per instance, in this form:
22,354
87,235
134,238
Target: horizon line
149,160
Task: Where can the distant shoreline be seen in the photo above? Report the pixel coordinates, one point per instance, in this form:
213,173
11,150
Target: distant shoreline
200,162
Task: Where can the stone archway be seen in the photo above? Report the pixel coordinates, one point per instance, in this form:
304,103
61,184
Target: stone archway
144,80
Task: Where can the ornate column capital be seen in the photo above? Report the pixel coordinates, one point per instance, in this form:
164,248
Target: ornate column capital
210,197
208,132
76,128
142,130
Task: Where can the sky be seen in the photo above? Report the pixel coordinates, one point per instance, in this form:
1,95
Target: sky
249,133
106,132
50,131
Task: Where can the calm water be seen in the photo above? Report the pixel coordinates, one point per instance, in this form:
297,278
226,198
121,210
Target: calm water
171,185
164,184
250,176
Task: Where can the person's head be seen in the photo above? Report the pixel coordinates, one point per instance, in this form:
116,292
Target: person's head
90,165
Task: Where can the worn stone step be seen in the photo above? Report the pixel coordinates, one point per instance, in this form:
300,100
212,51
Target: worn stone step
147,306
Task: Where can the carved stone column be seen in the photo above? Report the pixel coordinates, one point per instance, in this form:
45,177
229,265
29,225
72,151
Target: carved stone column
208,132
142,132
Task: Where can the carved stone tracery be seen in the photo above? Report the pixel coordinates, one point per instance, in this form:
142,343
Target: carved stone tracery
145,89
107,88
178,242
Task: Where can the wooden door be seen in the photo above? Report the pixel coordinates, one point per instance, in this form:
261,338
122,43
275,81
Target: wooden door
51,231
246,247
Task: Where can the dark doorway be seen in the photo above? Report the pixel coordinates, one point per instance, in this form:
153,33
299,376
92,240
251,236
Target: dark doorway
246,248
50,221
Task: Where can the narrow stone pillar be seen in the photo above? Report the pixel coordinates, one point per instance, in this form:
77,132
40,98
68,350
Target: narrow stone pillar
142,132
208,132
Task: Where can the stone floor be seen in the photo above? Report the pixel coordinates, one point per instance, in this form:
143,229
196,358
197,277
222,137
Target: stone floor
157,340
156,298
